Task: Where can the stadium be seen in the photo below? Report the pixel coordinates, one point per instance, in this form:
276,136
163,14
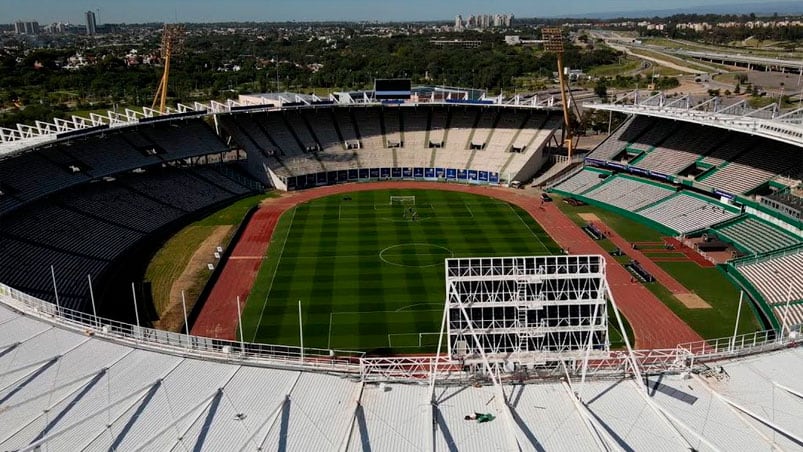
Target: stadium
535,322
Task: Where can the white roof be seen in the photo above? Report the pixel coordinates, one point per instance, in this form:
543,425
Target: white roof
71,391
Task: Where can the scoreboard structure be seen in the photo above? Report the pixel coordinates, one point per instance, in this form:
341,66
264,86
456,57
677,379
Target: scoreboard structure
528,311
398,89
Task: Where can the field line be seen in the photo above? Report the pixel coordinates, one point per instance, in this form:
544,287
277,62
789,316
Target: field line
469,209
275,270
386,312
528,227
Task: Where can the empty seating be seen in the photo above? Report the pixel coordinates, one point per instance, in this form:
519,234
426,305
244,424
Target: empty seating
778,279
756,237
30,176
628,194
686,213
619,139
580,182
680,150
763,161
85,230
324,128
298,127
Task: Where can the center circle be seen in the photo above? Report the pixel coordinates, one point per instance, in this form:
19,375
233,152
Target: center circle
415,255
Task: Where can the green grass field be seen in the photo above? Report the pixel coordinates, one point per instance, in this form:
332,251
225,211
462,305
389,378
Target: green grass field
370,276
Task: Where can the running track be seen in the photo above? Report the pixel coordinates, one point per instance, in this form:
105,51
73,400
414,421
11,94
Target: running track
654,325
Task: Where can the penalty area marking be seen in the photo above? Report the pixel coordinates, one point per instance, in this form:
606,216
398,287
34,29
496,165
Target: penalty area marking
404,308
448,251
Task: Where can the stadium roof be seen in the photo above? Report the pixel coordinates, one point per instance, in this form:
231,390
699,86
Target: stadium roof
64,388
768,121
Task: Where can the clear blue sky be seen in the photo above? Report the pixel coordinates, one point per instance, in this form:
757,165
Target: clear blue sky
133,11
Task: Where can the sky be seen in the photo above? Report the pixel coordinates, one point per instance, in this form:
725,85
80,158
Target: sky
138,11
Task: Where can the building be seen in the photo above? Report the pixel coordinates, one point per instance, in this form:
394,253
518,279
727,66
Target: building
26,28
458,22
91,24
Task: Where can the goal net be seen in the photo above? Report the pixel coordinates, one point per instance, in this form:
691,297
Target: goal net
406,201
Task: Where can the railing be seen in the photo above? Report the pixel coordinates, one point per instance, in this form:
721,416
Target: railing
734,346
342,361
409,368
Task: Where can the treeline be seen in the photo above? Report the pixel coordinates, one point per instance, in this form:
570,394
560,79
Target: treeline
222,66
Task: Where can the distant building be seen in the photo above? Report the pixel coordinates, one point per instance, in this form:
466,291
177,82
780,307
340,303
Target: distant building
483,21
91,24
26,28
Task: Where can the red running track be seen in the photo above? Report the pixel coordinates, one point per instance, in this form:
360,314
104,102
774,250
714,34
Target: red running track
654,325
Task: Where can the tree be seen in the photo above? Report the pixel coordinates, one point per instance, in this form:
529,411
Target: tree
601,90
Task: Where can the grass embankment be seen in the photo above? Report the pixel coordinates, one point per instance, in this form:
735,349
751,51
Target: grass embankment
174,264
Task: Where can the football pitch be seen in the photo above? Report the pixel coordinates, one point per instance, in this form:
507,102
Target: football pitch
370,272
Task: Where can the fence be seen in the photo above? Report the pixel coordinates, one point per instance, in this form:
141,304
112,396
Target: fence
343,361
410,369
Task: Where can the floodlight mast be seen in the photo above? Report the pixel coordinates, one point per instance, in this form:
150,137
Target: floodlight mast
172,44
553,42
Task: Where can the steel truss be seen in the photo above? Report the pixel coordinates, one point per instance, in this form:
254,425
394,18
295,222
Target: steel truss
526,311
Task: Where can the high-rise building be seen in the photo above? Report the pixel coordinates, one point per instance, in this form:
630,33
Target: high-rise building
26,28
458,22
91,25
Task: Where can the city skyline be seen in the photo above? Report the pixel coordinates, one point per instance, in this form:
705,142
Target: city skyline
117,11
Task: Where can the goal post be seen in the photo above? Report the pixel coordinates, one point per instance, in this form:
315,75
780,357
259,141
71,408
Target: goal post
407,201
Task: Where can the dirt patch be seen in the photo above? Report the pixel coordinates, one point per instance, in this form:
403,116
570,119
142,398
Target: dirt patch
172,319
590,217
692,301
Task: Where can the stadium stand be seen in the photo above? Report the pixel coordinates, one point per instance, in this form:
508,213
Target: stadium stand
681,149
301,131
762,162
621,137
455,152
733,146
438,128
183,139
531,128
581,182
276,128
484,130
83,230
370,128
394,136
627,193
685,213
91,156
293,155
776,277
755,236
415,130
507,129
31,176
653,136
322,123
373,152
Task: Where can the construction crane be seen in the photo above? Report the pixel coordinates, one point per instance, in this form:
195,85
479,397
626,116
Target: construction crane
553,42
172,44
